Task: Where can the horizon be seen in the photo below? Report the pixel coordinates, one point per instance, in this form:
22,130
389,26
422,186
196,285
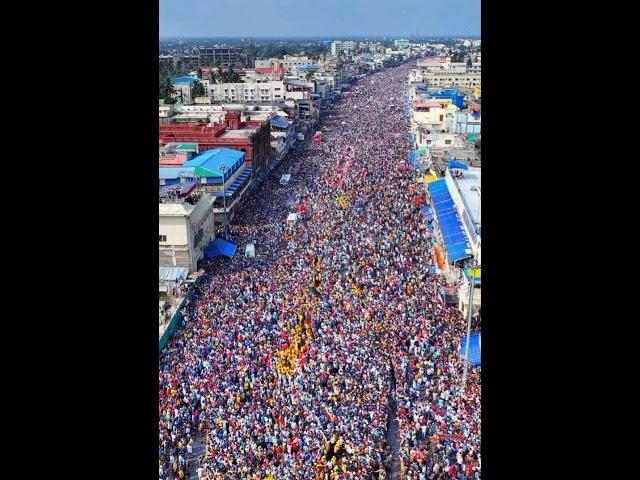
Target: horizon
315,37
333,18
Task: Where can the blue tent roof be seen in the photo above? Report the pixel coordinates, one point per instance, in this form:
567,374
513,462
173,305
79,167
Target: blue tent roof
474,348
220,247
184,80
449,223
279,122
456,164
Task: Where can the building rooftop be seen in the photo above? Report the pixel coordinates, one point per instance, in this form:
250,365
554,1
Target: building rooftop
469,188
184,80
217,159
243,132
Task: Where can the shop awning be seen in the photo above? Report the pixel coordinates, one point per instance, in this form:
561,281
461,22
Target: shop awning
430,178
460,165
455,239
279,122
173,274
474,348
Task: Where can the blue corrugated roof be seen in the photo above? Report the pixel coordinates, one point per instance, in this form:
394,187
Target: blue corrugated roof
279,122
184,80
306,68
217,158
175,172
449,223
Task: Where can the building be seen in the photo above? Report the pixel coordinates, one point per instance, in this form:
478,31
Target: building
449,79
225,57
339,47
468,122
183,87
282,137
186,225
245,92
165,112
218,178
288,62
401,43
454,205
166,61
431,113
465,192
252,137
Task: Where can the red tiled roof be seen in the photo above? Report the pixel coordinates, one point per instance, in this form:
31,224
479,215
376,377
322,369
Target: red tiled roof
271,70
426,104
173,160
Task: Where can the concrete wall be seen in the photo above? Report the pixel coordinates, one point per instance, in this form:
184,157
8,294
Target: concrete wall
175,228
247,92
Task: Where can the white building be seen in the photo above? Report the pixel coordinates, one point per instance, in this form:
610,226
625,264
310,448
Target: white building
245,92
446,78
165,111
432,113
185,231
465,192
289,62
339,47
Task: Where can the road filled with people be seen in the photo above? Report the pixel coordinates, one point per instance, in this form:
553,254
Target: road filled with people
284,363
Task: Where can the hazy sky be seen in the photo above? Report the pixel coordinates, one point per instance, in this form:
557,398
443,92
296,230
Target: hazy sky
326,18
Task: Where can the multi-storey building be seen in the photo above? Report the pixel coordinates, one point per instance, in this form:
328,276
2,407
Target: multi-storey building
225,57
245,92
250,136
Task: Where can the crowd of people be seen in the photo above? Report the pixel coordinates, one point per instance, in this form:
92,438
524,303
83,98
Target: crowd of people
284,362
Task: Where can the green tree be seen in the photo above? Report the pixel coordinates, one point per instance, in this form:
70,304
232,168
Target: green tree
200,73
166,89
220,76
198,90
232,77
469,63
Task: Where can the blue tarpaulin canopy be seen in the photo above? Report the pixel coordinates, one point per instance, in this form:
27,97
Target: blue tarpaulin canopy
456,164
220,247
474,348
449,223
279,122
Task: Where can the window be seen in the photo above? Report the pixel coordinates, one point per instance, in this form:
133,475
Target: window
163,238
447,142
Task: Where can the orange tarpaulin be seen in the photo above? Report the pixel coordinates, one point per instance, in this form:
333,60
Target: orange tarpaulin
439,257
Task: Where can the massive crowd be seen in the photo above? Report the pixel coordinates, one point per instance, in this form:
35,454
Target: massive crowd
283,364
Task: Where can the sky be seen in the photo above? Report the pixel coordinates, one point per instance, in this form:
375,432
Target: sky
318,18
